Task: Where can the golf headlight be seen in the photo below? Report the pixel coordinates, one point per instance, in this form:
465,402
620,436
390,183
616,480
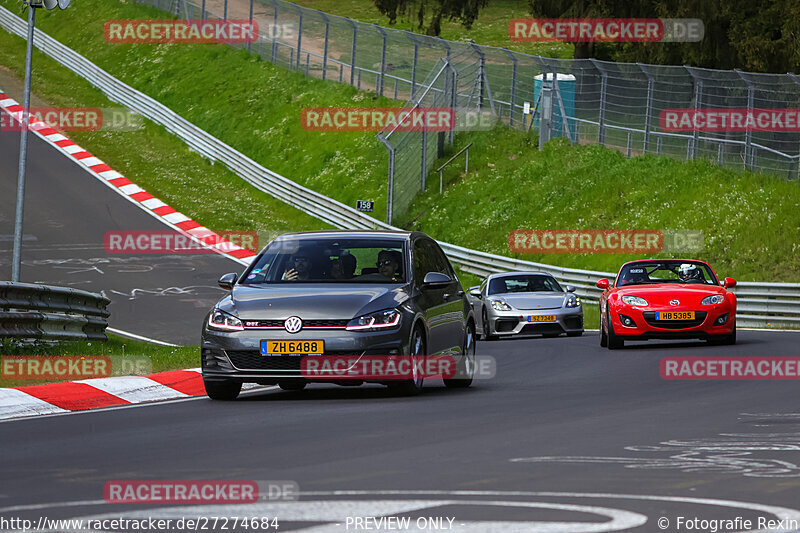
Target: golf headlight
500,305
387,318
222,321
573,301
713,299
634,300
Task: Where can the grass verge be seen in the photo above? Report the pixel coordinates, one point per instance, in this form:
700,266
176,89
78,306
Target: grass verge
162,358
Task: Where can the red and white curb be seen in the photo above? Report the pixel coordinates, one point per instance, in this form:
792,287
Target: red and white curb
58,398
127,188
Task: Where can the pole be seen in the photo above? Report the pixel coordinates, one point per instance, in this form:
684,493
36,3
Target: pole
23,150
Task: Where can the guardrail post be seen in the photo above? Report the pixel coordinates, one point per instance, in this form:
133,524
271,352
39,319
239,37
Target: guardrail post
383,60
299,34
513,96
353,53
325,50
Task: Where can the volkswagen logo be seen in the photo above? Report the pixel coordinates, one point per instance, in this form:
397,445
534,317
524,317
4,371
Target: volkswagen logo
293,324
671,302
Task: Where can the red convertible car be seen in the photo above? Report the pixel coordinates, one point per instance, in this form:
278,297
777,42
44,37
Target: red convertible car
667,299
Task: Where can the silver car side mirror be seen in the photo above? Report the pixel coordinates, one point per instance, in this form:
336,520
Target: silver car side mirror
570,288
227,281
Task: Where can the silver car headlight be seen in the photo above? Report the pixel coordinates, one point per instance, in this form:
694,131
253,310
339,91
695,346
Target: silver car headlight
634,300
222,321
713,299
500,305
388,318
573,301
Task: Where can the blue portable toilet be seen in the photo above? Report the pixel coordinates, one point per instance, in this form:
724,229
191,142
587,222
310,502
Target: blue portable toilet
566,86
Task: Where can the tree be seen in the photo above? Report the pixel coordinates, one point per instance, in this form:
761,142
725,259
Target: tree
754,35
430,13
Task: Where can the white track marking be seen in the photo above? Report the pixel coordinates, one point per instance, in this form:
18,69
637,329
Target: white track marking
134,336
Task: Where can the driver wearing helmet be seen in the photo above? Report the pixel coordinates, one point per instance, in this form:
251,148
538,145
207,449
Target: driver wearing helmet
688,273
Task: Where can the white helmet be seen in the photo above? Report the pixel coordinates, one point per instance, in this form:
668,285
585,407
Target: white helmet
688,271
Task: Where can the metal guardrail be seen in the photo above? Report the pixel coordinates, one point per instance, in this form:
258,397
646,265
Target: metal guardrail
765,304
35,311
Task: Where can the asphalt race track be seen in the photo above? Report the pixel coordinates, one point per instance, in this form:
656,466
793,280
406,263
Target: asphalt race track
566,437
67,213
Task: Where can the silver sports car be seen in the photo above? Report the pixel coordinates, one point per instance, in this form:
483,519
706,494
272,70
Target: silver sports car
525,303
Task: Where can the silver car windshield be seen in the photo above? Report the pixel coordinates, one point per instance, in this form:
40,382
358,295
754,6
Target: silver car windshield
523,283
666,272
330,260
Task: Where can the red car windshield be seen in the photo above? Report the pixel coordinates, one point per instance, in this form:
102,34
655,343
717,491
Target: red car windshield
651,272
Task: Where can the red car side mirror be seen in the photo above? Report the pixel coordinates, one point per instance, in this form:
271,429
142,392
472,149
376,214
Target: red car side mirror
603,283
729,283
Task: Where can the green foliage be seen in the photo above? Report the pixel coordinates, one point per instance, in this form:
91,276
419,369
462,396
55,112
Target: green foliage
430,13
759,36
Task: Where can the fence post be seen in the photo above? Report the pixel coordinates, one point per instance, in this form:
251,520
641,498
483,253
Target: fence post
601,134
275,32
749,159
424,158
389,192
251,22
225,11
325,50
480,71
698,98
203,10
513,85
648,117
414,65
353,52
299,34
383,60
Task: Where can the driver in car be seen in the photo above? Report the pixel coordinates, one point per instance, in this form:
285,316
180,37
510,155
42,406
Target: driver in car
689,273
301,268
389,264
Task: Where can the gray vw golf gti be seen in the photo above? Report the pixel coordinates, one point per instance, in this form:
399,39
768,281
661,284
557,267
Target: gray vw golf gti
364,294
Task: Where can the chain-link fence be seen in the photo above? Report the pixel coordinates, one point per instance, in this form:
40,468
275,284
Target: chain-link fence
618,105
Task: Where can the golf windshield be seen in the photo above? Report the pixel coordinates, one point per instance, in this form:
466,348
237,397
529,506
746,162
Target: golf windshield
330,260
